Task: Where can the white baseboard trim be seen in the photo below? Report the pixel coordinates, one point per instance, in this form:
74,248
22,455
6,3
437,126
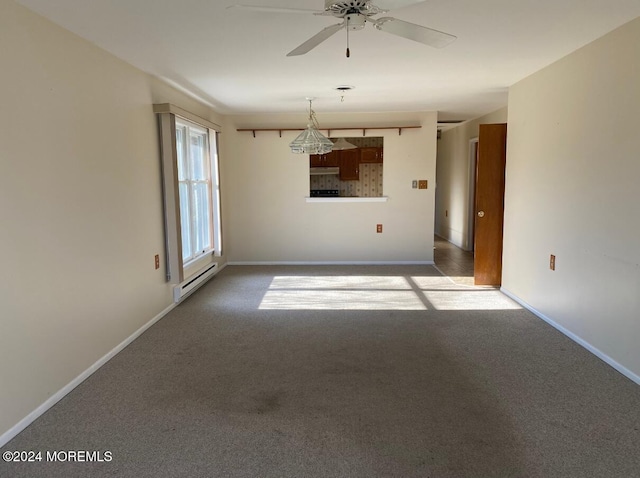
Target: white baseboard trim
451,240
60,394
330,263
601,355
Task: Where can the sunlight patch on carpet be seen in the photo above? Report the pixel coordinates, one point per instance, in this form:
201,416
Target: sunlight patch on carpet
488,299
361,292
340,282
342,300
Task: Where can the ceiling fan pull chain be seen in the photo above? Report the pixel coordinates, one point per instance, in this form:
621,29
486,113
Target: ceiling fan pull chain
348,52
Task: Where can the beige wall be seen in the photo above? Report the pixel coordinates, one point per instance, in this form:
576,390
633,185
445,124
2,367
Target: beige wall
452,175
266,185
572,190
80,207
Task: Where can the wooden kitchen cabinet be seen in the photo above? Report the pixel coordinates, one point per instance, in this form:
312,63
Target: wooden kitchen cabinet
328,160
331,159
315,160
349,163
371,154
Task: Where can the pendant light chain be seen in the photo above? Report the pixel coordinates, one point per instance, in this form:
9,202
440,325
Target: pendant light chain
312,117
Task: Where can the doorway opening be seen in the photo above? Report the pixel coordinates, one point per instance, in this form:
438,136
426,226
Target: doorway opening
453,260
481,195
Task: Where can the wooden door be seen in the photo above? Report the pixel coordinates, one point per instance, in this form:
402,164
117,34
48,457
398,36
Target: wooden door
489,213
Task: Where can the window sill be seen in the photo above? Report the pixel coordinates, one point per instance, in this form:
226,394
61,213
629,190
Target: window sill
347,199
198,263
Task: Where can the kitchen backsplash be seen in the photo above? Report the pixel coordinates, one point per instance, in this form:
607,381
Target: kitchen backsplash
370,183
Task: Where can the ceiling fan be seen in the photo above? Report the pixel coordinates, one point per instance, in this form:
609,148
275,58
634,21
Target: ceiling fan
355,14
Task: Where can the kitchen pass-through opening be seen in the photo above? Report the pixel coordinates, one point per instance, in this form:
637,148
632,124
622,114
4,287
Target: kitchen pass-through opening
353,172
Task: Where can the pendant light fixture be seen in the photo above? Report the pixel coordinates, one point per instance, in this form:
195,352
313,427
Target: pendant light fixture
343,144
311,141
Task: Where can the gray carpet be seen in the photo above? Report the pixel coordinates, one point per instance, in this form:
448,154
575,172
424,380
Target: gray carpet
305,372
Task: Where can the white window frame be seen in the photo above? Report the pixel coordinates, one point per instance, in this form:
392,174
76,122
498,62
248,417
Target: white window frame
170,117
191,183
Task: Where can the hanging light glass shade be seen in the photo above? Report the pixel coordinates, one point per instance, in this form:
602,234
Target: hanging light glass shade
343,144
311,141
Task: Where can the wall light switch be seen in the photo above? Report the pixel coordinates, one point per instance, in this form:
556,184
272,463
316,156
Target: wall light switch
414,184
552,262
422,184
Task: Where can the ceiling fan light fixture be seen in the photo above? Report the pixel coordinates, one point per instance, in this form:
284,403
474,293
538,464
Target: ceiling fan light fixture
311,141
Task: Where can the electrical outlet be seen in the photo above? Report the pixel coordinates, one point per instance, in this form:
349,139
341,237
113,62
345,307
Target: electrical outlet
552,262
379,228
157,261
422,184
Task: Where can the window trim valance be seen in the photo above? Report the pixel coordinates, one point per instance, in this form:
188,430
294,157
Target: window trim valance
176,110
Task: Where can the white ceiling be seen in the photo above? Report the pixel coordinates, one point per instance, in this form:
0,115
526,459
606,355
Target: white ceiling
235,60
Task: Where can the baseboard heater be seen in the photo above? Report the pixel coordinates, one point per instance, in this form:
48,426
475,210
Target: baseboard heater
182,290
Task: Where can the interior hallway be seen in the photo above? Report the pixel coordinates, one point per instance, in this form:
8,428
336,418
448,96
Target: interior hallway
453,261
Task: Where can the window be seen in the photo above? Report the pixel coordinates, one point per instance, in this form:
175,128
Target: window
191,191
195,190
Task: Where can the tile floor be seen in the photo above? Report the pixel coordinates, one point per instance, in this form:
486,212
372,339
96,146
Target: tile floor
453,261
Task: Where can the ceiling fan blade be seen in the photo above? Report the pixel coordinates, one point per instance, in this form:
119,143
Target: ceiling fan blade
428,36
315,40
257,8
